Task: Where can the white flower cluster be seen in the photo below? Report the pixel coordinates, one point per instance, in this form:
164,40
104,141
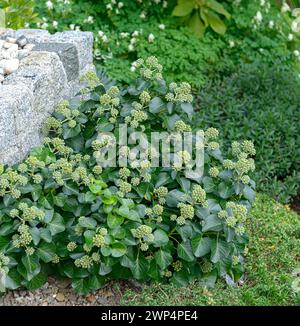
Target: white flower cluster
115,6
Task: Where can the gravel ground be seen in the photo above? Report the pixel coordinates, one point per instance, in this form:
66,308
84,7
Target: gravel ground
60,293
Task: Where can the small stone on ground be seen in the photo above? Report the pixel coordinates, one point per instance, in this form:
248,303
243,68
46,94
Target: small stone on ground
60,293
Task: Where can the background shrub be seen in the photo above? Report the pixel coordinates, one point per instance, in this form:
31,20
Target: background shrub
261,103
152,30
18,13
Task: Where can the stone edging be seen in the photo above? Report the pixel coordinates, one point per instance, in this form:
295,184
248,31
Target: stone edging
50,73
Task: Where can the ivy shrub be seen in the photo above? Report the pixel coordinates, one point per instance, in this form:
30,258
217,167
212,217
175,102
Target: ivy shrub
63,213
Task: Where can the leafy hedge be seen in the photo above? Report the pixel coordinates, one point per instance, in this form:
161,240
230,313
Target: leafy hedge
261,103
61,212
119,41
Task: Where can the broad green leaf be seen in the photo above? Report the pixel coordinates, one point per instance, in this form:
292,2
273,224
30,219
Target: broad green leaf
87,222
208,184
184,251
163,258
81,286
215,22
114,221
88,237
201,246
4,241
217,7
46,251
71,132
96,282
183,8
104,269
156,105
38,281
196,25
212,223
56,225
219,250
45,235
188,109
31,265
160,238
140,267
224,190
249,193
118,249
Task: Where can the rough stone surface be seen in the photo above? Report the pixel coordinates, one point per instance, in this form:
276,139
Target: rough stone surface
49,73
67,53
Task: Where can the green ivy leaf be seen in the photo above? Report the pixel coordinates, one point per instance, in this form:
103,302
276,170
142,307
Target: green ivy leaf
118,249
87,222
38,281
156,105
56,225
184,251
225,191
160,238
219,251
46,251
140,267
201,246
114,221
212,223
81,286
32,266
163,258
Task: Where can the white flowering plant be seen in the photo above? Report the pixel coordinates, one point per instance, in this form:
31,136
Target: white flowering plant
61,211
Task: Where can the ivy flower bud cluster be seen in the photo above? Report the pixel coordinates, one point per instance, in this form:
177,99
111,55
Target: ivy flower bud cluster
181,126
199,195
158,210
24,238
84,262
99,237
161,193
214,172
26,213
58,146
239,211
91,78
150,69
180,93
186,212
4,260
71,246
211,134
10,181
52,125
145,236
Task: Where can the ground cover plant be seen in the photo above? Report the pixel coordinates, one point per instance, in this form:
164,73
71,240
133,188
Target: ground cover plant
61,208
231,69
272,265
261,37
